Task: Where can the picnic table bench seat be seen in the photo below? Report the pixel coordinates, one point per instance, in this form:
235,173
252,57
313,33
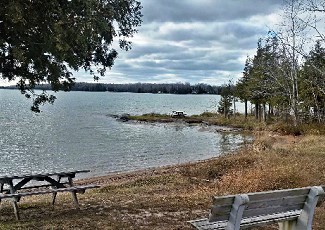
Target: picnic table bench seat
292,209
79,189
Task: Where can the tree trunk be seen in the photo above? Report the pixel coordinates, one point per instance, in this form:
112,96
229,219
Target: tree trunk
246,109
234,101
225,110
264,112
256,110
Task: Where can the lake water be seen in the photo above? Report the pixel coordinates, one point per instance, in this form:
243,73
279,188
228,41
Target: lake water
78,132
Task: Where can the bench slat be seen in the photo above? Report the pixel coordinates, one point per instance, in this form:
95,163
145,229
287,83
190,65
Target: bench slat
269,195
4,177
204,224
281,201
271,210
223,200
277,204
68,189
220,210
81,188
272,218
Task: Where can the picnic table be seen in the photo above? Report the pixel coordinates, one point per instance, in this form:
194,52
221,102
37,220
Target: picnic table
178,114
16,186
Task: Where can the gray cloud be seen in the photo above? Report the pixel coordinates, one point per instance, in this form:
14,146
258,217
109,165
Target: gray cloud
205,10
193,41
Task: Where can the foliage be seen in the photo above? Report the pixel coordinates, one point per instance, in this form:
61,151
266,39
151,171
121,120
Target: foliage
267,80
208,114
312,83
282,74
225,103
42,41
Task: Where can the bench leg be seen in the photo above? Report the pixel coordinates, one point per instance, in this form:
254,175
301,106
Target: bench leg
287,225
74,194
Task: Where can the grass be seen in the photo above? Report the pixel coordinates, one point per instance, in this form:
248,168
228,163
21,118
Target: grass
152,117
165,198
239,121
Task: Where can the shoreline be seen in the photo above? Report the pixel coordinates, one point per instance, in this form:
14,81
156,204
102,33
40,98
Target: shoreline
123,176
103,180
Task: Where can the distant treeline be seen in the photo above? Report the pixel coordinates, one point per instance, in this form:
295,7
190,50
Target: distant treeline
172,88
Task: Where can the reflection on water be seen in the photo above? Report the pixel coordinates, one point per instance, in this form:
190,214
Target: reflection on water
230,141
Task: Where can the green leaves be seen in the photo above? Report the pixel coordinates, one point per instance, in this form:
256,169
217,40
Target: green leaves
40,41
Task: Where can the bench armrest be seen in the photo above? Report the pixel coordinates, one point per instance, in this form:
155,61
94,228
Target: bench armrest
305,220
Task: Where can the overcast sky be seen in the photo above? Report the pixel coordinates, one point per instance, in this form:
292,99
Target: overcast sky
195,41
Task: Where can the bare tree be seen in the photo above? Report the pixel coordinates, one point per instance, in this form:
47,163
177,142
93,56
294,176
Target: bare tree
292,35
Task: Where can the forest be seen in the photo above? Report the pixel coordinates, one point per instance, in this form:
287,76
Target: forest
285,79
168,88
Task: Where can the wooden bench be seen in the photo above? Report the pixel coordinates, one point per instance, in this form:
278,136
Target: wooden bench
74,189
291,209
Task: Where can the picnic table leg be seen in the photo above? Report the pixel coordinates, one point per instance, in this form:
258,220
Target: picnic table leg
14,201
73,193
1,189
55,193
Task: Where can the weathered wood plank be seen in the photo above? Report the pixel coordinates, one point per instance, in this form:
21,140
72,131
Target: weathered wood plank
268,195
68,189
223,200
271,210
247,222
33,187
204,224
22,176
47,191
280,201
220,210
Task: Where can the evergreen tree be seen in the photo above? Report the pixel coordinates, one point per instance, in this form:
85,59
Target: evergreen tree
312,83
225,103
41,41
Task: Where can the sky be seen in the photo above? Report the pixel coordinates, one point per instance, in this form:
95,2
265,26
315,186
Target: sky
195,41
